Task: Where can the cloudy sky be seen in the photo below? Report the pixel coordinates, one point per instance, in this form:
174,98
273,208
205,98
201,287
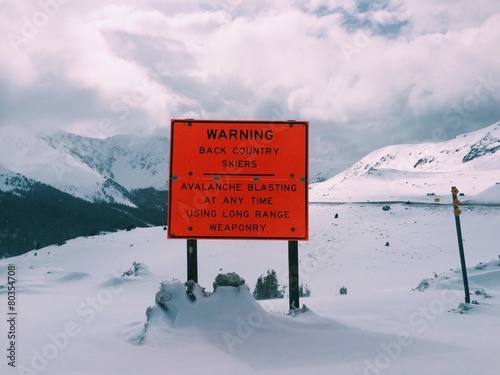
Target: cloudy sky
366,74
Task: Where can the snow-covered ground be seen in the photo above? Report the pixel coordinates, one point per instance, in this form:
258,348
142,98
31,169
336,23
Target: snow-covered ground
78,313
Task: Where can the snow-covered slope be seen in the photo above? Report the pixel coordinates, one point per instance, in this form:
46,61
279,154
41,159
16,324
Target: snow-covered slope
107,169
488,196
134,162
32,157
117,303
91,169
419,172
10,181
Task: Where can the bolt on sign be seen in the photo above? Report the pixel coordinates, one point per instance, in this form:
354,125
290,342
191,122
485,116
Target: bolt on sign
238,180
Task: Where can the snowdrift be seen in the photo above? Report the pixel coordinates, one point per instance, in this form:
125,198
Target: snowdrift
83,305
481,277
231,320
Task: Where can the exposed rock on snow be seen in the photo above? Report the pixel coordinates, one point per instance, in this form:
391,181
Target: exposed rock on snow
228,279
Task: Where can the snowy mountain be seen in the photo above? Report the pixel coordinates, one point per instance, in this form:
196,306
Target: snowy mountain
419,172
10,181
60,186
96,170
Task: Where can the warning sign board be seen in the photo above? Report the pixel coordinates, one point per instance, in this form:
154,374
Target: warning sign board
238,179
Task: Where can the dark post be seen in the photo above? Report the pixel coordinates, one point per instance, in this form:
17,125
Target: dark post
456,202
293,274
192,260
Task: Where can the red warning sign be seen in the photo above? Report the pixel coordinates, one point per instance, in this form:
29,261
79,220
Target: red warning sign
238,179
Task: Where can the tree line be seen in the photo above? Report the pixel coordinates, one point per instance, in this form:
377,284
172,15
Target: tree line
43,216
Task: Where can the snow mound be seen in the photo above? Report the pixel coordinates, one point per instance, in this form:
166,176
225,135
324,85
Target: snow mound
187,304
487,196
484,275
64,277
232,321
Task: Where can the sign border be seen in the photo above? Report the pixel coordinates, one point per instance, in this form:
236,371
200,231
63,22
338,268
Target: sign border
241,122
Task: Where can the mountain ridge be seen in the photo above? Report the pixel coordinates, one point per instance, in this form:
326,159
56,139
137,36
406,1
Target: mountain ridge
96,170
419,172
61,186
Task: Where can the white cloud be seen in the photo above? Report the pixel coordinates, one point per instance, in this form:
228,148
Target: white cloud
340,62
428,16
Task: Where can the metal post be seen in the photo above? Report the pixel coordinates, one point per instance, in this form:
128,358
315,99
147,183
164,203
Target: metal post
192,260
456,202
293,274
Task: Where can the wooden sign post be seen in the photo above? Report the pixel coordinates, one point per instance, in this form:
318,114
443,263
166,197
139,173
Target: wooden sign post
457,211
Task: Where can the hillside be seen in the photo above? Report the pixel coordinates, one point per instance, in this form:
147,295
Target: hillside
133,162
61,186
96,170
419,172
40,215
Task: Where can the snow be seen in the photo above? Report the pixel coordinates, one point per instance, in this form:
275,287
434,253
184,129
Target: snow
419,172
117,303
87,168
5,176
140,162
488,196
30,156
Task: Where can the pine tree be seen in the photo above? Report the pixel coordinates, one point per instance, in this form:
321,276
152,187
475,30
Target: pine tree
267,287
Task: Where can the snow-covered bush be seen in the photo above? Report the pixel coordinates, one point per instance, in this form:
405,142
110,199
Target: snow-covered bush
423,285
482,293
137,269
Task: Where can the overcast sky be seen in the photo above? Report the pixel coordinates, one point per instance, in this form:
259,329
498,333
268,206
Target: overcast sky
366,74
